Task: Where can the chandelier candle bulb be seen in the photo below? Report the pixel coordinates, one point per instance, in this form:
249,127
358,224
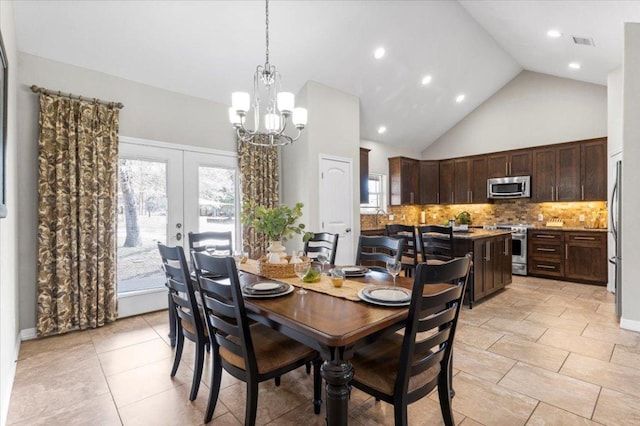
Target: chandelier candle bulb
285,102
240,101
299,117
272,122
234,118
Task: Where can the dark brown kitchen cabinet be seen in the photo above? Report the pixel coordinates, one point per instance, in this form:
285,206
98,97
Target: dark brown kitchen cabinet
429,182
556,173
479,180
510,163
586,256
491,264
462,175
593,170
404,176
446,182
572,255
364,175
545,253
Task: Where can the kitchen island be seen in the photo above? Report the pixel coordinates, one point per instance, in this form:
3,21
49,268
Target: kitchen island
491,268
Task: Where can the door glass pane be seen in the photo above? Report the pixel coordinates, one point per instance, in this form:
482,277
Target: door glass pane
217,200
142,222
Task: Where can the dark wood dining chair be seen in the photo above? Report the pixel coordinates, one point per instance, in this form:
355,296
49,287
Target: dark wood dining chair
218,241
407,233
375,251
186,312
436,243
251,353
322,243
403,369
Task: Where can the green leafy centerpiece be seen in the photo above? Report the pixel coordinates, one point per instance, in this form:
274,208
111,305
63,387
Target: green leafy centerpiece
277,223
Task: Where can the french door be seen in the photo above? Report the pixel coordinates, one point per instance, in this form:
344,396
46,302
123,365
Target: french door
164,192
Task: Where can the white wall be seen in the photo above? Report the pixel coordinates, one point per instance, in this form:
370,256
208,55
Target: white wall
532,109
380,153
334,129
615,88
148,113
630,178
9,329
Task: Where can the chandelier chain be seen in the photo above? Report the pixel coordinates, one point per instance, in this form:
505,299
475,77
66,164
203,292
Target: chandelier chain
267,33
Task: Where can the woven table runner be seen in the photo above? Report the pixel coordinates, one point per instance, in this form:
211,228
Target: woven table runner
349,289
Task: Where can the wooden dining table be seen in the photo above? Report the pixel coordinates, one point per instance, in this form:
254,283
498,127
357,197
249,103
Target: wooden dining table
333,326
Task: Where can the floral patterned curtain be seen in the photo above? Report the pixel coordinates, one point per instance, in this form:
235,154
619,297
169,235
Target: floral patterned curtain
259,179
78,157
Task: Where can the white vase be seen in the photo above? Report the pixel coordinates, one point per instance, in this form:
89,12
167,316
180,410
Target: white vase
276,247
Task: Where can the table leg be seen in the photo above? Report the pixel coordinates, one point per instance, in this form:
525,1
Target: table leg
337,374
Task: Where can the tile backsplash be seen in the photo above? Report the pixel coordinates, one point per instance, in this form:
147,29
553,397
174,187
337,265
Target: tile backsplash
503,211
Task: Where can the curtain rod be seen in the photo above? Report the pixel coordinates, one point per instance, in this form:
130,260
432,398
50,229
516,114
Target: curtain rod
36,89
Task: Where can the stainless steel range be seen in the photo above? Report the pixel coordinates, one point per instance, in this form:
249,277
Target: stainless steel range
518,247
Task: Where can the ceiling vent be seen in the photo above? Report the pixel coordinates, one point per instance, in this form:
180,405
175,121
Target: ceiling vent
585,41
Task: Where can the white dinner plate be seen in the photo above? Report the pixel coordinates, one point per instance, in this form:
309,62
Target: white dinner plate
375,302
268,295
387,294
265,286
355,271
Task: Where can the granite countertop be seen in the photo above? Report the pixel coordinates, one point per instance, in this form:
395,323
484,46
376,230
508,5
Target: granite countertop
571,228
472,234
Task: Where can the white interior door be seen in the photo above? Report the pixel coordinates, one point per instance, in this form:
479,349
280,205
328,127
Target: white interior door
168,192
336,204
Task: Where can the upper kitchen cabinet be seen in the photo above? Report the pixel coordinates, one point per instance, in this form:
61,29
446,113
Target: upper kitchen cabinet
446,182
462,179
479,180
575,171
404,178
510,163
429,182
593,157
364,175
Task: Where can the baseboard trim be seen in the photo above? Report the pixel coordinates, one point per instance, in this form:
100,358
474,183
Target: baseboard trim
28,334
628,324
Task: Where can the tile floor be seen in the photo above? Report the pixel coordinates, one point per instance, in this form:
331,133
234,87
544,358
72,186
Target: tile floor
541,352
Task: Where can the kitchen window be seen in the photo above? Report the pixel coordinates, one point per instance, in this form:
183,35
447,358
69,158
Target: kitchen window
377,194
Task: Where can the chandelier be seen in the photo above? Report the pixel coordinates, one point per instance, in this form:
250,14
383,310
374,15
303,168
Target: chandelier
278,107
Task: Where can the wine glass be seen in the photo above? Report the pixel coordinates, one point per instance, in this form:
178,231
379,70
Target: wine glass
301,270
323,259
237,256
393,268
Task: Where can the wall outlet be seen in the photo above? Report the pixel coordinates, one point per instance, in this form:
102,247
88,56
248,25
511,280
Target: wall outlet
540,217
581,218
390,217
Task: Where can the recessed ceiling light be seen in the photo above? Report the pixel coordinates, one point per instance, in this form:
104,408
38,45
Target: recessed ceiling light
554,33
575,65
382,129
460,98
426,80
379,52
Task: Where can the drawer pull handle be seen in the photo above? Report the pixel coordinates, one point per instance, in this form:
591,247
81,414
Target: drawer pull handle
545,249
545,267
584,238
545,236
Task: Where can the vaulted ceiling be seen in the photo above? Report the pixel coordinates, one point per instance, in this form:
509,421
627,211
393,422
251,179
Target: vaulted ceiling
209,49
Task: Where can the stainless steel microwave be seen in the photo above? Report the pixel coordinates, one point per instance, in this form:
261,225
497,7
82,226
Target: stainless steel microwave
509,187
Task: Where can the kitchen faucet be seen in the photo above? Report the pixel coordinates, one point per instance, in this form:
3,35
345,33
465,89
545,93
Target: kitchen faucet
378,212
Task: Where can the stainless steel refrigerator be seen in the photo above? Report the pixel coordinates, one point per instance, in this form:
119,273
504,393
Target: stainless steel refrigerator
615,217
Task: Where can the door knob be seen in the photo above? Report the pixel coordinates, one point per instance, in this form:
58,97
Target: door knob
347,230
178,236
178,225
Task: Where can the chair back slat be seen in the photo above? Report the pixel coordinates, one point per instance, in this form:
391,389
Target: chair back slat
407,233
224,308
219,241
434,317
322,243
180,285
436,242
382,249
